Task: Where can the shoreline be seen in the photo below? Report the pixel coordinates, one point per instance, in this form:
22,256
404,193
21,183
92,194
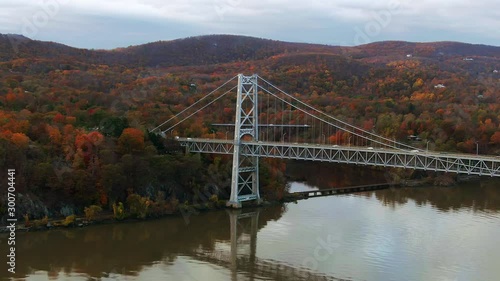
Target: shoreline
108,217
188,210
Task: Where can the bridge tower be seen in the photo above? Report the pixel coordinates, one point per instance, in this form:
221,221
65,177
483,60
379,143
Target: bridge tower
245,178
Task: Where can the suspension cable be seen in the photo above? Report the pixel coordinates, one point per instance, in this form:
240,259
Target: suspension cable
321,119
191,106
205,106
335,119
353,132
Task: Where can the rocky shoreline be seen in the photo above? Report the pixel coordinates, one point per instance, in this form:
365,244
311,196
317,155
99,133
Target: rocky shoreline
186,210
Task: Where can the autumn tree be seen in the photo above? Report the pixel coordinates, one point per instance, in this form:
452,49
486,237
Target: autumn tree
20,139
87,149
131,140
495,138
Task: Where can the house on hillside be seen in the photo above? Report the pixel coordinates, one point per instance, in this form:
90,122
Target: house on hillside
440,86
414,138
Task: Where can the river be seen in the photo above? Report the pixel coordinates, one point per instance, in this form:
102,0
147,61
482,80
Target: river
446,233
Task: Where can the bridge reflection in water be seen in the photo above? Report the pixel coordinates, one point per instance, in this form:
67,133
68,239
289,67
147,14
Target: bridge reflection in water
223,245
226,239
244,228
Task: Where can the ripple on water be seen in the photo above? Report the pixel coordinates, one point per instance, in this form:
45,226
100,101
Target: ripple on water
400,234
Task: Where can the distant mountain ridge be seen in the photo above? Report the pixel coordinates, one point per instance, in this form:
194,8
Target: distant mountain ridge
213,49
434,48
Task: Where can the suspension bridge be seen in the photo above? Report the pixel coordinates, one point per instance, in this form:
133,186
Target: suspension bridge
268,122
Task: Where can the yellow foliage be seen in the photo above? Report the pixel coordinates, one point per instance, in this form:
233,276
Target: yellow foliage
419,83
69,220
92,211
422,96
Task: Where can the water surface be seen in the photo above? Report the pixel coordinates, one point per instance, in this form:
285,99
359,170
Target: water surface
399,234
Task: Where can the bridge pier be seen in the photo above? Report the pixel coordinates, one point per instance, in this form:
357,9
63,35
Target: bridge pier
245,176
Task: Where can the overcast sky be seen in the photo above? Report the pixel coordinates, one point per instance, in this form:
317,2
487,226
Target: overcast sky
106,24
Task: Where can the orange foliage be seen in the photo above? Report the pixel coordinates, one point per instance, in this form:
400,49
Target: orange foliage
68,129
54,134
332,139
440,112
6,134
103,198
10,97
96,138
71,120
20,140
17,126
131,139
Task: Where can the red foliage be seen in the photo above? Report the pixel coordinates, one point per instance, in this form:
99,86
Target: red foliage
496,138
59,118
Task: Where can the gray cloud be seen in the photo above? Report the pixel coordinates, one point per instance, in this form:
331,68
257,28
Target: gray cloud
115,23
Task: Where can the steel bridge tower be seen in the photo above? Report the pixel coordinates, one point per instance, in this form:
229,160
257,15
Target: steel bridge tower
245,178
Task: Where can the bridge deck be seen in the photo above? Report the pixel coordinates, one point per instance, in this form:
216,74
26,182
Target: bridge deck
385,157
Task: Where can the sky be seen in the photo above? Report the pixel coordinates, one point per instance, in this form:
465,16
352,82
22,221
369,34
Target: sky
107,24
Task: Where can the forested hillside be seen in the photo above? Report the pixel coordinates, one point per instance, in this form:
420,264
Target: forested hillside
74,123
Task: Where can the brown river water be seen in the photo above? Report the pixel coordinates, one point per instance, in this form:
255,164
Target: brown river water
428,233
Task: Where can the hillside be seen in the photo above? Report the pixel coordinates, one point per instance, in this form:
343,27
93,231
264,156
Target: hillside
213,49
201,50
74,122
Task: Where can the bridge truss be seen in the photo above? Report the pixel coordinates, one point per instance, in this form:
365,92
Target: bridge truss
272,123
393,158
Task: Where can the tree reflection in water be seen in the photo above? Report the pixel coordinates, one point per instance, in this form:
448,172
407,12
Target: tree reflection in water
480,196
125,249
330,175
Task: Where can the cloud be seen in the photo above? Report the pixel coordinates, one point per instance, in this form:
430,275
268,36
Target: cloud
319,21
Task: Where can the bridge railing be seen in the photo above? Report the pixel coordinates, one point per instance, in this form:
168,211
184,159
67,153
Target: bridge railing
396,158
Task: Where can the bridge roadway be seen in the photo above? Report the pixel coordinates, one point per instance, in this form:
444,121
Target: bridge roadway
385,157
